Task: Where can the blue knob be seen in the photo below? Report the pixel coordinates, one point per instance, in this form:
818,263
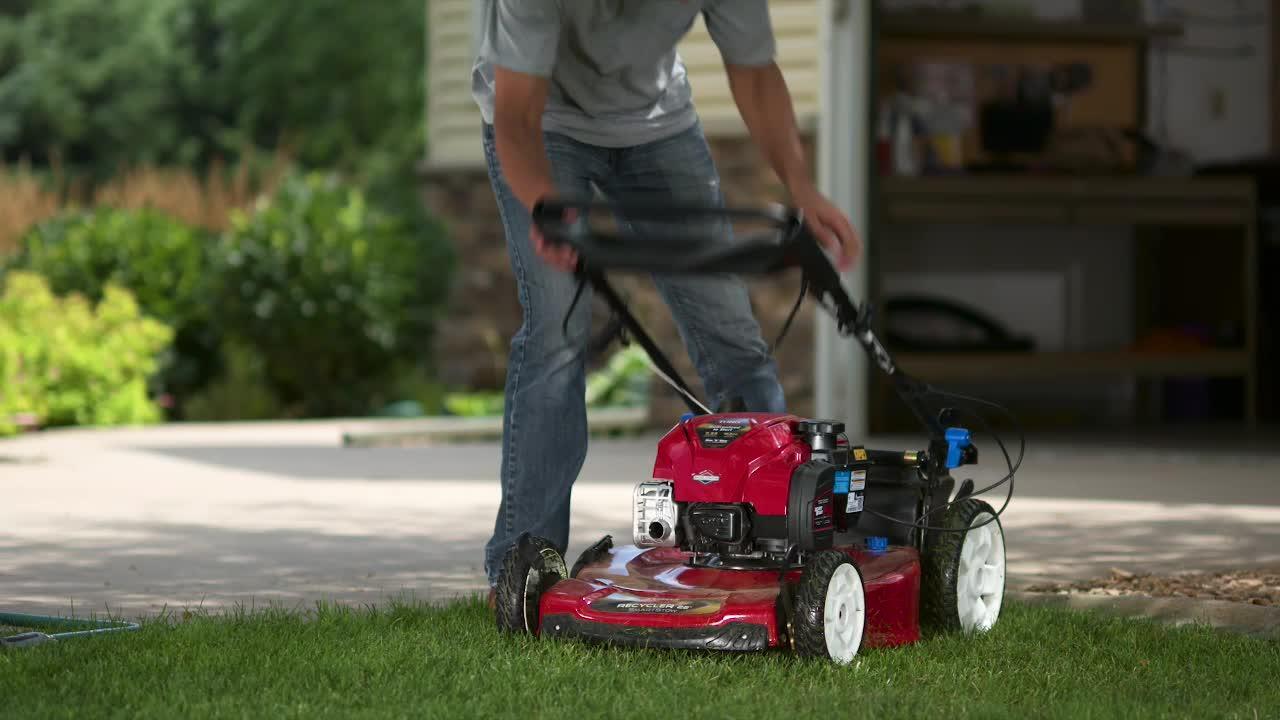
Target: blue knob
957,440
877,544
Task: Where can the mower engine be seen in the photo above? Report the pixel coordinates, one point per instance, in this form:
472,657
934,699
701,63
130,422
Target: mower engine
750,490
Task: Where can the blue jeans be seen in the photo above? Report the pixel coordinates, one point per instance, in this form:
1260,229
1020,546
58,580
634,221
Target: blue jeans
544,440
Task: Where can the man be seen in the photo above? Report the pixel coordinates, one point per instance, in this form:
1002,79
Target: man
579,95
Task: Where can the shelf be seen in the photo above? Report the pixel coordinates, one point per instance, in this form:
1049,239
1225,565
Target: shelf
963,25
1064,365
1067,200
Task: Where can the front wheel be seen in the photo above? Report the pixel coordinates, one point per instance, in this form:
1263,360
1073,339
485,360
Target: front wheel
529,569
964,570
830,614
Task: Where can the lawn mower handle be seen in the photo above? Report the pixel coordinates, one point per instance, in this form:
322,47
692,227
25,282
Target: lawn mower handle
787,244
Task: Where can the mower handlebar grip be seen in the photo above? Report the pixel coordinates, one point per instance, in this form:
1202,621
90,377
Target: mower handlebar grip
677,251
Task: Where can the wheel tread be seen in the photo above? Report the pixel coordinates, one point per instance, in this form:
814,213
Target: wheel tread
510,606
810,603
939,611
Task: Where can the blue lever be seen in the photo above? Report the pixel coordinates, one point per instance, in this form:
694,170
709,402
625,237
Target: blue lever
957,441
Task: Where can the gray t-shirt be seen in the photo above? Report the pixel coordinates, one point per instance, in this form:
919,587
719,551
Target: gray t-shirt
616,78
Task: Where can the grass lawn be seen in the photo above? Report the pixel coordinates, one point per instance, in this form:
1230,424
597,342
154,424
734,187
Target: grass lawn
450,662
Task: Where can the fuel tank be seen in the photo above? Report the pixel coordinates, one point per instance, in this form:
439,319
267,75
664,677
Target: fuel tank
733,458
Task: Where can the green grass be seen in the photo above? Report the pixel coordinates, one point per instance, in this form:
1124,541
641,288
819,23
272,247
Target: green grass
449,662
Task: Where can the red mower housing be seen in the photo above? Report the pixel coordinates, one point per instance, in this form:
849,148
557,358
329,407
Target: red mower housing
748,526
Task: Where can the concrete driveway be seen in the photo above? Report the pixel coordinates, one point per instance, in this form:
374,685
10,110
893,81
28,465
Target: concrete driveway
184,516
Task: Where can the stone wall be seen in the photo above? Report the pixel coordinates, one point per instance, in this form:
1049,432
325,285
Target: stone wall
484,313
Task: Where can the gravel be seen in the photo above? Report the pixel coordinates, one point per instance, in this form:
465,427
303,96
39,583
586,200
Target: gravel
1255,586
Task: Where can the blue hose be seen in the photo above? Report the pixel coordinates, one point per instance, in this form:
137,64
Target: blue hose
70,627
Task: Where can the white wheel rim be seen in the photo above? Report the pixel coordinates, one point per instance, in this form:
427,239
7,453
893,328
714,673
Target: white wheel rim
844,614
980,578
532,580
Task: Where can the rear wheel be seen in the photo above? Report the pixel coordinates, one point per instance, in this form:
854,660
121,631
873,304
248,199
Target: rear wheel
830,611
529,569
964,570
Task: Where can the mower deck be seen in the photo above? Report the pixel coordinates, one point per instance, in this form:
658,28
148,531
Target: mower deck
653,597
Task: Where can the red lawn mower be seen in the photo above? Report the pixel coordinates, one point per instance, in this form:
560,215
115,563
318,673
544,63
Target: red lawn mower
761,531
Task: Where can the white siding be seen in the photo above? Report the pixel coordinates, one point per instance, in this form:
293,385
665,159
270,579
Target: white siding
453,122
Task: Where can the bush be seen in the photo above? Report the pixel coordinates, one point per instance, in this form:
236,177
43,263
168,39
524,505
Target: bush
336,295
104,85
162,262
240,393
66,362
87,81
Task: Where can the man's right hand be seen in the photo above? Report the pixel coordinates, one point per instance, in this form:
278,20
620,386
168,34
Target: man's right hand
518,104
563,257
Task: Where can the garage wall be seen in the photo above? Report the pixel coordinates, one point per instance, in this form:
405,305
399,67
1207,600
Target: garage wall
453,121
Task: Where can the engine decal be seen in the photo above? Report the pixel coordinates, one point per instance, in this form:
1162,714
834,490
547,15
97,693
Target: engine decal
626,603
706,477
720,433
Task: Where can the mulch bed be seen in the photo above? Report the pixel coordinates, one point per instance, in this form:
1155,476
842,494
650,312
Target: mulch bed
1254,587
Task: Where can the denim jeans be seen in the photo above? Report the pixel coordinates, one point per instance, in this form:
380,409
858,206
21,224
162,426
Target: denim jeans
544,440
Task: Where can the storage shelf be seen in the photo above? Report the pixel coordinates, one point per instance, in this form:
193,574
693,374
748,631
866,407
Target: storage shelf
1063,365
1067,200
934,24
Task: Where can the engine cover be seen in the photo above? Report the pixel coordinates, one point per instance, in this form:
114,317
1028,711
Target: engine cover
733,458
811,508
745,483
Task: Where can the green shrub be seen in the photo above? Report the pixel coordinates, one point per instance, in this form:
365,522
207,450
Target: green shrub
241,392
622,382
108,84
64,361
162,262
336,294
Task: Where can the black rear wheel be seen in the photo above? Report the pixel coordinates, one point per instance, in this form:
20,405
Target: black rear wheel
529,569
964,570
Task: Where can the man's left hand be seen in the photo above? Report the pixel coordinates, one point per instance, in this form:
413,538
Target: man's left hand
831,227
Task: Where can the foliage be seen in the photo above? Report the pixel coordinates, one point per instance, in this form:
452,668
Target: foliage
162,262
335,293
64,361
475,403
87,81
240,392
25,199
347,94
108,85
622,382
205,200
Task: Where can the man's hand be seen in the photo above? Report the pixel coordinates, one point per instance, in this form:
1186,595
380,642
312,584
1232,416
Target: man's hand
763,100
518,105
831,227
563,257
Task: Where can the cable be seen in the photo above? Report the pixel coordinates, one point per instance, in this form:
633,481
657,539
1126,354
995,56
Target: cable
673,384
1009,463
795,309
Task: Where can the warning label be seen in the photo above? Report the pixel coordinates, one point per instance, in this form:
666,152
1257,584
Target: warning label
722,432
822,515
855,504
